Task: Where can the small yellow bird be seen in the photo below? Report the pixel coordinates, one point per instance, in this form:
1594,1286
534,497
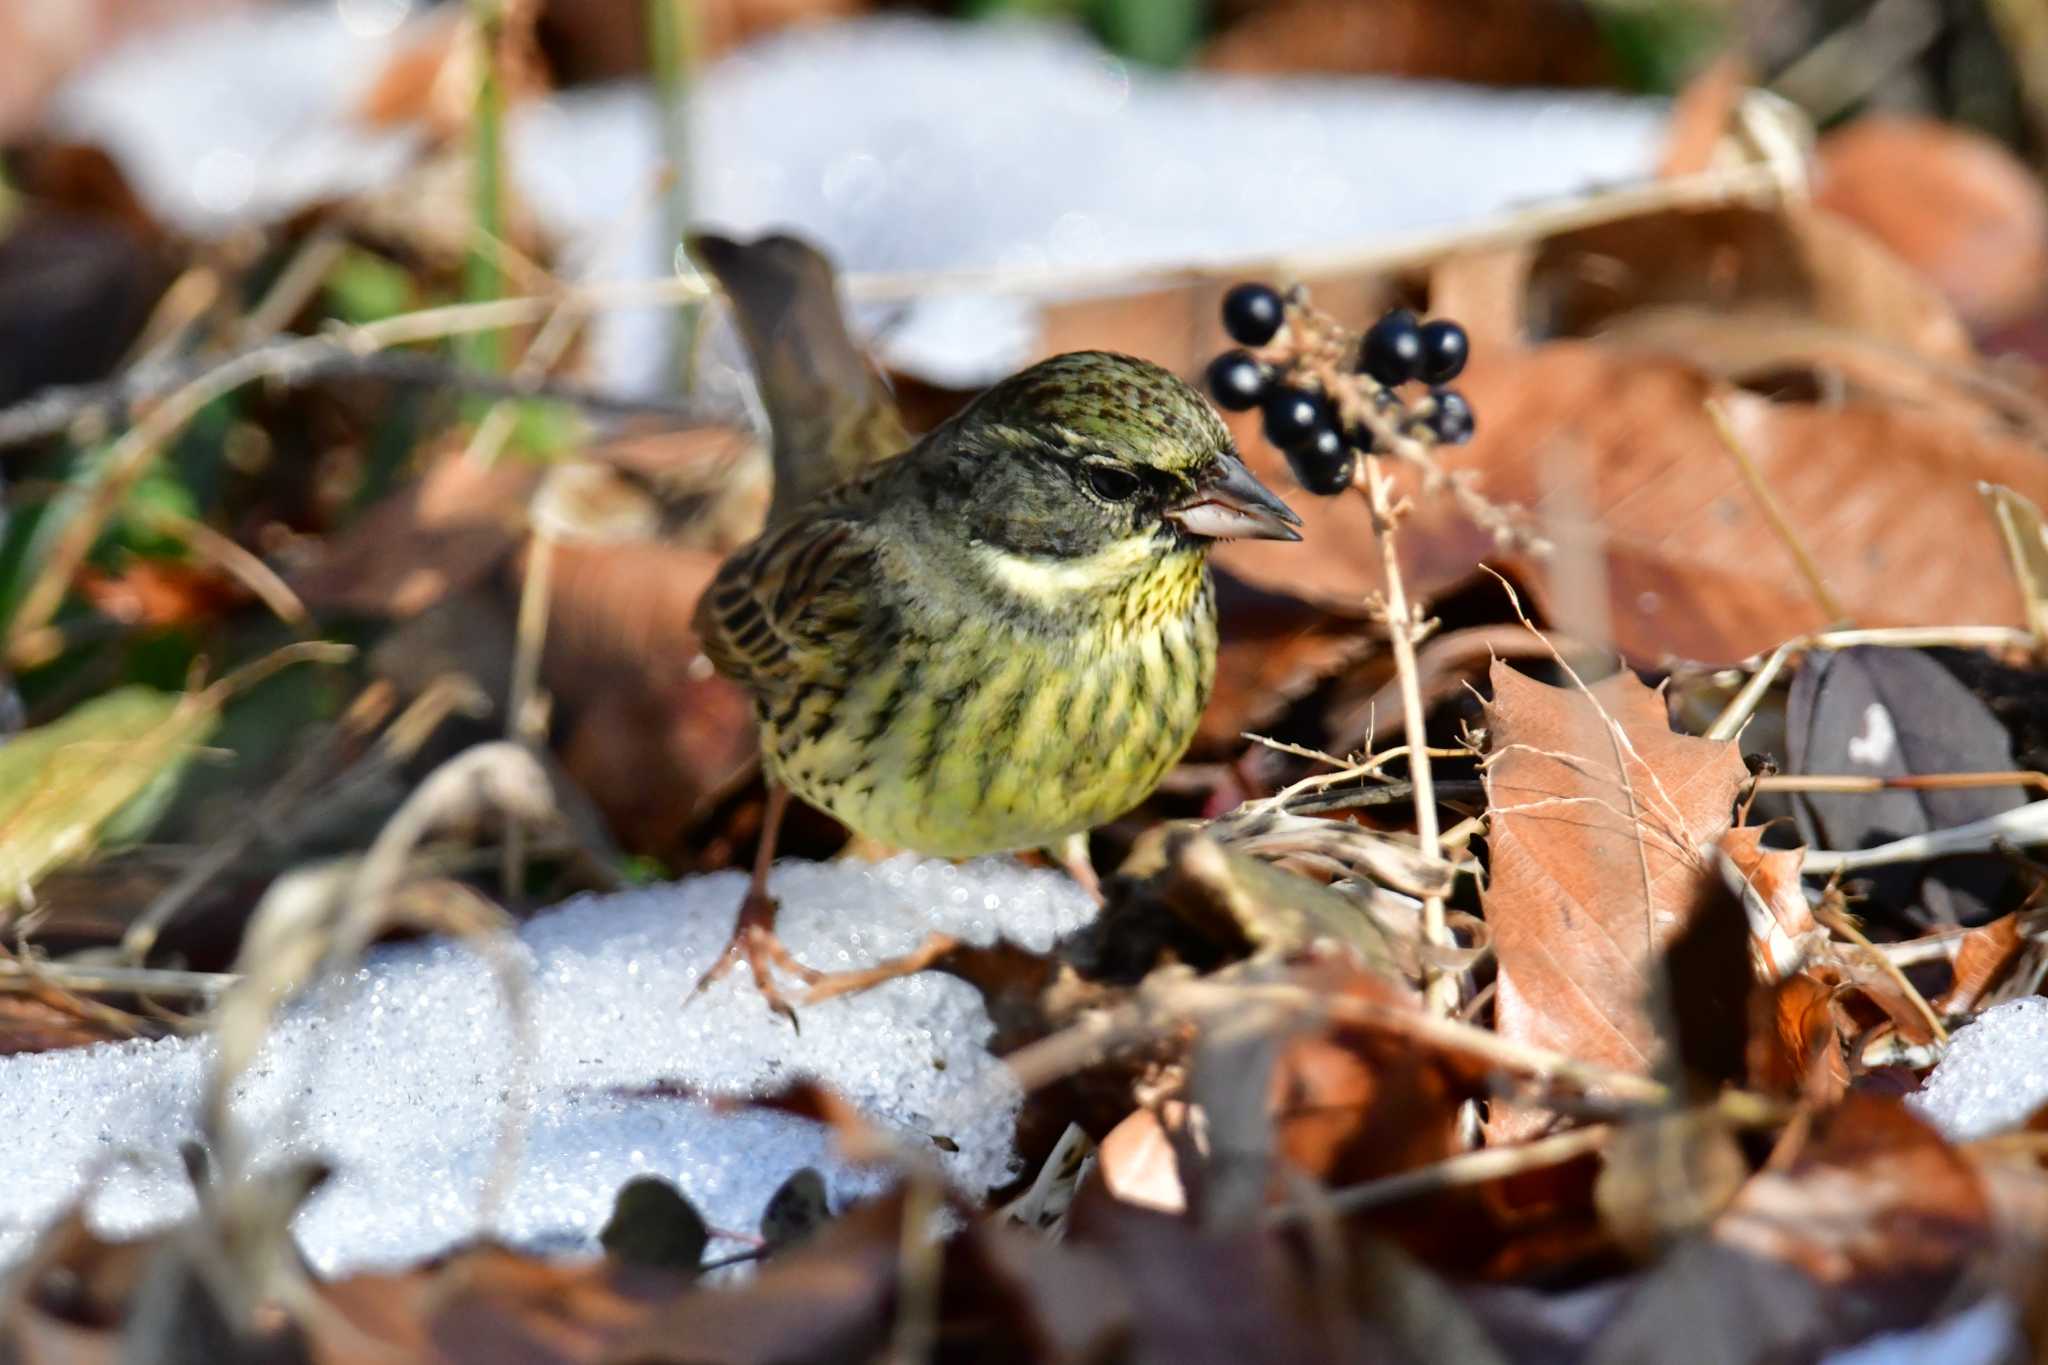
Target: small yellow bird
994,639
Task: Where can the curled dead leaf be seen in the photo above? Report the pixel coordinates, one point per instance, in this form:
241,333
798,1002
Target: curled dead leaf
1963,211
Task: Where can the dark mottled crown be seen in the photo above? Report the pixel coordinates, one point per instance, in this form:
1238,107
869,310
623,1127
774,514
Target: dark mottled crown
1099,400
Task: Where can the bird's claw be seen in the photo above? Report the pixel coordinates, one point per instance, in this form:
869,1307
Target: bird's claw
754,942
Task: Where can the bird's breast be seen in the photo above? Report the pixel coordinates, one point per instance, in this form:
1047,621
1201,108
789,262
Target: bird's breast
987,731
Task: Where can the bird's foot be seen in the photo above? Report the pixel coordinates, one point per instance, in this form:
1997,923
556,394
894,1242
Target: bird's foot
755,942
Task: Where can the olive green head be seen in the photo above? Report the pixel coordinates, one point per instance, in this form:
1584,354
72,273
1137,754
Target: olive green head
1092,452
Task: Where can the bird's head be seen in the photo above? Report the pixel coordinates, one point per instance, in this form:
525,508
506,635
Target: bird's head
1100,463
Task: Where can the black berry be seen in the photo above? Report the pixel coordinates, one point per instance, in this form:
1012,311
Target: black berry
1236,381
1294,416
1323,463
1452,422
1444,349
1392,351
1252,314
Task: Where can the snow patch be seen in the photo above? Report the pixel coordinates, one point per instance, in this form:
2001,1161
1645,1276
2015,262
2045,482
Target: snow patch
406,1087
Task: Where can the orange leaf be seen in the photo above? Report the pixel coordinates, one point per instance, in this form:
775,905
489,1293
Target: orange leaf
1599,847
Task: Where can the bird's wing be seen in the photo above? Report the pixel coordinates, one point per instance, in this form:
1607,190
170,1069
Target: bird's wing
770,618
830,414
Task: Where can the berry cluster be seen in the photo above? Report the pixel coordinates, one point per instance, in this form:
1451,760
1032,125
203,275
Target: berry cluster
1292,384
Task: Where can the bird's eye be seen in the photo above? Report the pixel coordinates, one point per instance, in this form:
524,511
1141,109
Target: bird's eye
1111,483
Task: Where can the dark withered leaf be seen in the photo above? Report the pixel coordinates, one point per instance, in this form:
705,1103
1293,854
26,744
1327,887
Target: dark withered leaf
1876,712
796,1210
654,1225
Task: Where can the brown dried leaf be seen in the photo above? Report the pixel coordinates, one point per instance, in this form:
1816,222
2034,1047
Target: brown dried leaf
1351,1105
1139,1161
1793,263
1599,858
654,734
1490,42
28,1024
1958,207
1875,1200
1782,932
439,534
1984,958
1275,648
490,1304
1795,1040
1693,566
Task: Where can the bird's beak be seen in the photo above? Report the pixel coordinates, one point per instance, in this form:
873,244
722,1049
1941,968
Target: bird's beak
1230,504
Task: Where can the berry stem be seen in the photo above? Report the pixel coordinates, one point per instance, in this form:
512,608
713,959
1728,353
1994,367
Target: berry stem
1440,990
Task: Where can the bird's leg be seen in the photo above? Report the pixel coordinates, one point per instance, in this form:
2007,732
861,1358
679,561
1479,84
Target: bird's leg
1072,854
753,935
754,940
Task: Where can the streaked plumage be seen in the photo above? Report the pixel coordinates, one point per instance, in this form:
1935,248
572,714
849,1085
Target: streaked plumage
980,644
992,639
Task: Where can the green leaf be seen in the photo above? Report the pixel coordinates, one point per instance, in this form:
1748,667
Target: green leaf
1162,32
364,287
97,776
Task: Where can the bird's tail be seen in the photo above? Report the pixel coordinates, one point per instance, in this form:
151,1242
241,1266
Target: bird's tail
830,413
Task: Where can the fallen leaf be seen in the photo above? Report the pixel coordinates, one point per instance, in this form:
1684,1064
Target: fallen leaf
1139,1161
1795,1040
1351,1105
1693,566
1782,931
1274,650
1984,961
1884,713
490,1304
1875,1202
1601,819
28,1024
63,786
1951,202
1489,42
436,536
653,733
1788,262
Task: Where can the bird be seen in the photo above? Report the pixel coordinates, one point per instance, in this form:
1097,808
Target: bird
990,639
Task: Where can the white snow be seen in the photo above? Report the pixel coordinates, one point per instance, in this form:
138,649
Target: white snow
406,1089
897,142
1994,1074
